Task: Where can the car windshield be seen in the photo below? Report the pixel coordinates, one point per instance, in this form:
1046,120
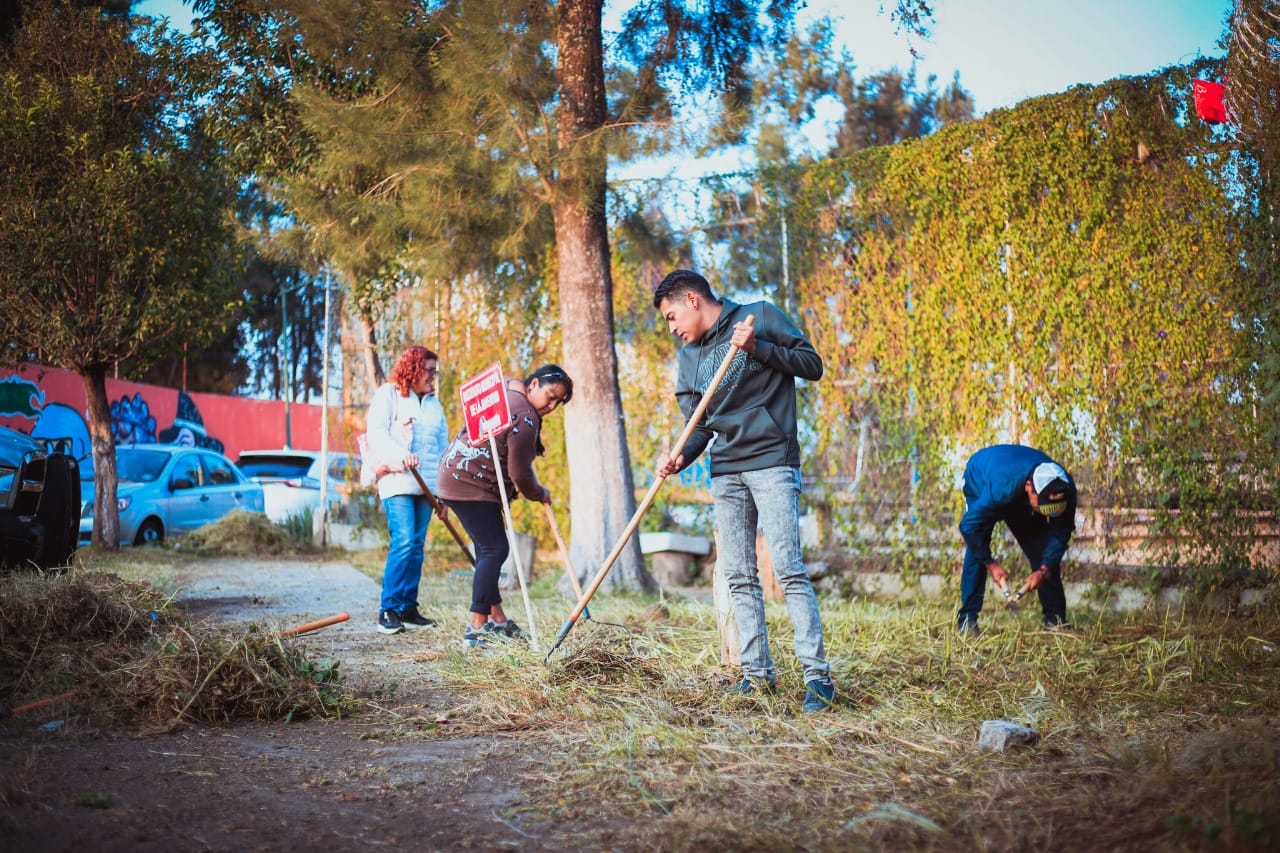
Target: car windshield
139,466
275,466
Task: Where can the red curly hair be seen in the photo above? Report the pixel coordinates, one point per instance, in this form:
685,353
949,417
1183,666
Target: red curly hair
410,367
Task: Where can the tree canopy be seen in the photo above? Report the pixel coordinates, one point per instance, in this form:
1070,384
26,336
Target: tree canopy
117,241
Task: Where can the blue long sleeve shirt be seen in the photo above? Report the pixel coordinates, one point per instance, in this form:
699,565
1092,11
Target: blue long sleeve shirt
995,490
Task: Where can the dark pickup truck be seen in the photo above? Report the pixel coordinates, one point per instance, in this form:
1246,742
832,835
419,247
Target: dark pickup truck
39,501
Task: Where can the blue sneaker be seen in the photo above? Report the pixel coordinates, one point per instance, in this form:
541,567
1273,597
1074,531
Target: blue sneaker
819,696
750,687
477,637
506,630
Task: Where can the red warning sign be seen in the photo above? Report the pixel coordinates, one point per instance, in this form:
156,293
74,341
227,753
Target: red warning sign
484,405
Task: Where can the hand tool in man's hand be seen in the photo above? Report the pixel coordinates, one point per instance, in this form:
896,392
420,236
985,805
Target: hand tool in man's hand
1033,581
685,435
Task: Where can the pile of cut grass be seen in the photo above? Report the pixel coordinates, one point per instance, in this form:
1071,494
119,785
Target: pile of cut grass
1158,730
132,658
244,534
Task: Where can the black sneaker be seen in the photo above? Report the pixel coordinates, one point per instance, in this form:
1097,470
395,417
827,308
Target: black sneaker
508,629
412,618
750,687
969,628
819,696
389,622
1054,625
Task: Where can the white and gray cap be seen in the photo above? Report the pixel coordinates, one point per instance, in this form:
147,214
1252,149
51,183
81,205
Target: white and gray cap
1049,480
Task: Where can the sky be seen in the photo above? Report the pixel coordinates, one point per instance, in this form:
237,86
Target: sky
1005,50
1010,50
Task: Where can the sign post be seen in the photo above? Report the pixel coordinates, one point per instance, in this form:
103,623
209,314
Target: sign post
485,410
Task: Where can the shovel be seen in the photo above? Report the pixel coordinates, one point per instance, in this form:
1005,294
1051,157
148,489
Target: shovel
564,555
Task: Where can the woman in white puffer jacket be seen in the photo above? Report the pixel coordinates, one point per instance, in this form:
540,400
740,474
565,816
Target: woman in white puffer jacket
406,429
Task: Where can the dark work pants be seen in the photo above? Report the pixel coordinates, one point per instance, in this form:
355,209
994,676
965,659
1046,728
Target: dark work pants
1032,536
483,522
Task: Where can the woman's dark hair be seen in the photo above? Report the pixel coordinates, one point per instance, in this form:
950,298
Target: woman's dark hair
552,374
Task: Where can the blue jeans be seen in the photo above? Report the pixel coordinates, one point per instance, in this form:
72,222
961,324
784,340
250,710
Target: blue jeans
483,522
769,499
1032,537
407,519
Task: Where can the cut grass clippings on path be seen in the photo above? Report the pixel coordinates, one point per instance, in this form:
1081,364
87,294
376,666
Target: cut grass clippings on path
1159,731
128,657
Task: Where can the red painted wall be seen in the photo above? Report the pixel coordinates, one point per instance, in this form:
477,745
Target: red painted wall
50,402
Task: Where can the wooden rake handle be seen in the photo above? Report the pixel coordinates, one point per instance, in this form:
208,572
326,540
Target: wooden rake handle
689,427
442,511
564,551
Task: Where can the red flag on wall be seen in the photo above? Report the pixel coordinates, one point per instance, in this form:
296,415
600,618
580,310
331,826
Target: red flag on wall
1209,104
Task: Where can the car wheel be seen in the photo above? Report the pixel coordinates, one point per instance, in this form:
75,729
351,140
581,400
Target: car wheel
151,532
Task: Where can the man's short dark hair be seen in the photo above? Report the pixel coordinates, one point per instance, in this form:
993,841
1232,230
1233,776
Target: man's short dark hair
681,281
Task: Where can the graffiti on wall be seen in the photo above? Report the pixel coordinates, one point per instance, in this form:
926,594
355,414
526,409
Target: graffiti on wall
25,402
133,423
47,402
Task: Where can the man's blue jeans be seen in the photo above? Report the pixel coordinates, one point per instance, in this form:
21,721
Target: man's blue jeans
769,499
407,519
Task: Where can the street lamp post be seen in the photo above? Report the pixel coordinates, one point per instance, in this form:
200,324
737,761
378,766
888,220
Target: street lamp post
320,521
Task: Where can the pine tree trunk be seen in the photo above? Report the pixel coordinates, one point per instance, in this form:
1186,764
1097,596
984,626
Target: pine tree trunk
602,491
369,348
106,514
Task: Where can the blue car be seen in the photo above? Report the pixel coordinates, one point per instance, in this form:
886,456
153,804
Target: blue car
166,490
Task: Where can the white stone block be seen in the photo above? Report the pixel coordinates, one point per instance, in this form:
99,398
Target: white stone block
652,543
999,735
528,548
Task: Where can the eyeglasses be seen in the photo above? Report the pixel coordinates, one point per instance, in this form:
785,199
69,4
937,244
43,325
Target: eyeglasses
430,371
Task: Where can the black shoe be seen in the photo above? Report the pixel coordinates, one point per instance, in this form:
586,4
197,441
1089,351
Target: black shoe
389,622
412,618
475,638
1055,625
969,628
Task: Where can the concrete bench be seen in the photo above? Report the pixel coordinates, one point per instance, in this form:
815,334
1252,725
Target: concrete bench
672,555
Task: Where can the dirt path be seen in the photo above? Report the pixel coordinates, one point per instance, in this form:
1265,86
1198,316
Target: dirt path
375,780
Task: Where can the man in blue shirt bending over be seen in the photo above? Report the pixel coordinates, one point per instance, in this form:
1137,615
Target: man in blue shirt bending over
1036,498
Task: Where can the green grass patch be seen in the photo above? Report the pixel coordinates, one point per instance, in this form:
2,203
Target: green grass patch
1158,729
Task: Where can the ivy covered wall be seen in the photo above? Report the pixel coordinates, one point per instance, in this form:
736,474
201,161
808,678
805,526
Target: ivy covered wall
1073,273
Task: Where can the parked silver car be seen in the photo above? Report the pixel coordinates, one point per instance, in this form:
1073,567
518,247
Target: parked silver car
165,490
291,478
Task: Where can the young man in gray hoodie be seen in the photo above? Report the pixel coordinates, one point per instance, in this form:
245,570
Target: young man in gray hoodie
750,423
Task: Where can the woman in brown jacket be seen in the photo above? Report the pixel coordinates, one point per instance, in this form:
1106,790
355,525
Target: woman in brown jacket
468,481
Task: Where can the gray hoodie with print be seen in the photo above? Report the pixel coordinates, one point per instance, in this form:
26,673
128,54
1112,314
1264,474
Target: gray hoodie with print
752,414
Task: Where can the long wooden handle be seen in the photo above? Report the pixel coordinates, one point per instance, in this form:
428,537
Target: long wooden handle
689,427
312,626
442,511
564,551
41,703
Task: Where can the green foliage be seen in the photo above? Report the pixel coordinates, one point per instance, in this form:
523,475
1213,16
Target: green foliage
299,526
1062,274
116,241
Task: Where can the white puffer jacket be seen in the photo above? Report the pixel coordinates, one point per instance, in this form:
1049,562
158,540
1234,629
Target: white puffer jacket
398,426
